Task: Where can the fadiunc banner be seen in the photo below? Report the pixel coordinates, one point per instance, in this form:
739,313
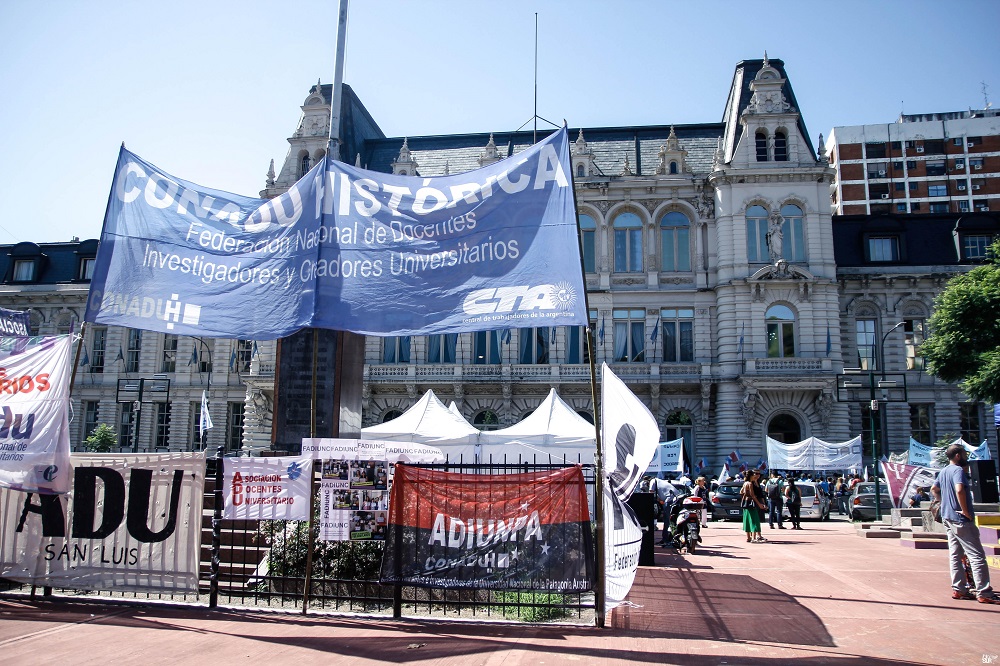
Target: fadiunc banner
345,249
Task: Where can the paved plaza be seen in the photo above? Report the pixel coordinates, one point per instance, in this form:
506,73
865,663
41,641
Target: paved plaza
819,596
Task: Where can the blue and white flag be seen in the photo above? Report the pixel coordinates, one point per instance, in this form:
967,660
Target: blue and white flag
483,250
14,322
921,455
205,420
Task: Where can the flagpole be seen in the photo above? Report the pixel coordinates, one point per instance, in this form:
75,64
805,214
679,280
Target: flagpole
599,533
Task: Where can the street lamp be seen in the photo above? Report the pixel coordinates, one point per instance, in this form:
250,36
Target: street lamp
883,384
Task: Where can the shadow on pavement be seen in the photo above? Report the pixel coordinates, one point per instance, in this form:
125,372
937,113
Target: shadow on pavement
674,603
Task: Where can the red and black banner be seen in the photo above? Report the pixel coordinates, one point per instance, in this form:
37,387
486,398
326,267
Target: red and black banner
504,531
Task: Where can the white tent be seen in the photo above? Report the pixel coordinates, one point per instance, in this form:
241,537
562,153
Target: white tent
553,431
428,421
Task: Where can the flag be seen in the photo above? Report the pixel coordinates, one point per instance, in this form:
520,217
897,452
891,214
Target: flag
121,356
734,456
600,333
232,360
255,351
744,467
762,465
739,347
724,474
656,331
627,423
829,342
701,465
194,356
206,419
84,360
505,336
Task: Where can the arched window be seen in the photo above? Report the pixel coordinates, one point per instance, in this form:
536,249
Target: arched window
391,414
785,428
678,425
780,331
628,243
588,229
673,167
486,419
793,246
581,171
757,234
675,248
304,165
780,147
760,141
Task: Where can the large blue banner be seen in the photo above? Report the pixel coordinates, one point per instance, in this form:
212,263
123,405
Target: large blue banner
14,322
176,257
345,249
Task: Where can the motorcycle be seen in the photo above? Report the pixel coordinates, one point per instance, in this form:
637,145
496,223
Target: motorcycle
687,525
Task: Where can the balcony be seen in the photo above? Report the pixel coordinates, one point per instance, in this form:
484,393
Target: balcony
528,374
787,366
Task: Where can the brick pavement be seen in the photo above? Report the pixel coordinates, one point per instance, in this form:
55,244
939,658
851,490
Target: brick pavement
818,596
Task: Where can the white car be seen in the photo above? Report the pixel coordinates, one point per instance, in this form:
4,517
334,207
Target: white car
815,502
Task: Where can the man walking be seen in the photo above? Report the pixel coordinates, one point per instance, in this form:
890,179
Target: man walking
775,501
952,488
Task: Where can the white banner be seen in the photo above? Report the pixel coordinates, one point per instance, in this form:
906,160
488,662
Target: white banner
34,416
267,488
622,542
333,448
903,480
668,457
629,433
814,455
128,522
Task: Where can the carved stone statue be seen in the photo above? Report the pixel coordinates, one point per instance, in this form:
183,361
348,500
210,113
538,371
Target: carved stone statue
774,236
749,411
824,407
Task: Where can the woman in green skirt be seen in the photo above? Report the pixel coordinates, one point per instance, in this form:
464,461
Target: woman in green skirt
752,506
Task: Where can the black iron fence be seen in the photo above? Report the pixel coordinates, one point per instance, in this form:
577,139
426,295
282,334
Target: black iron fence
279,565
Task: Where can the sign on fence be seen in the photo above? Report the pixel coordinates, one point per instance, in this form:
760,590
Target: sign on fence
128,522
505,531
267,488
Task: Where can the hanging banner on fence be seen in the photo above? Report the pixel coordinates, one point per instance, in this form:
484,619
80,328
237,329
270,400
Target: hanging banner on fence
14,322
981,452
921,455
668,458
267,488
629,427
34,421
903,480
353,500
488,249
332,448
814,454
128,523
503,531
622,542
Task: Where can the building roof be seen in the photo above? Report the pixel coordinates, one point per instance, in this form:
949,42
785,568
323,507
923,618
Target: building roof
54,262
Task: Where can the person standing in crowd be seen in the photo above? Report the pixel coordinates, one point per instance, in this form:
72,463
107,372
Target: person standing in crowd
840,495
953,489
752,505
775,500
793,499
666,495
701,491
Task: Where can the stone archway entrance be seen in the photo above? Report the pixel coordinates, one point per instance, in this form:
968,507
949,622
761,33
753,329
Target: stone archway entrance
785,428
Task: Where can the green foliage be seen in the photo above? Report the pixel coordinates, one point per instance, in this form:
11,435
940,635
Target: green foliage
532,606
101,440
339,560
940,446
964,343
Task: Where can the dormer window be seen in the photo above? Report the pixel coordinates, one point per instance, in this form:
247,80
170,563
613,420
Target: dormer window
86,272
761,143
581,171
24,270
304,165
780,147
673,168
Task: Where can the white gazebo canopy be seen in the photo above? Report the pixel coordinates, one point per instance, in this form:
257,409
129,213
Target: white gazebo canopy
553,430
428,421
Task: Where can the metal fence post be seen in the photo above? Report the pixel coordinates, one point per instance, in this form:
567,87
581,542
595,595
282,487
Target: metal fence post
213,594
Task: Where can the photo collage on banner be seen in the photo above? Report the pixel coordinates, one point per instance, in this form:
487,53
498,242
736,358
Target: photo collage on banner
354,500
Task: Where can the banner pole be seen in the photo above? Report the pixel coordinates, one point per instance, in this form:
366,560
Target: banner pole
76,361
599,533
310,537
213,593
333,145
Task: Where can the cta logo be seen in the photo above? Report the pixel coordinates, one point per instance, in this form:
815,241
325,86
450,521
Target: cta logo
186,313
506,300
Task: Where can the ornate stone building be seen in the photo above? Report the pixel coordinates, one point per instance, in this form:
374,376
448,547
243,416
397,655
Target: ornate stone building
720,288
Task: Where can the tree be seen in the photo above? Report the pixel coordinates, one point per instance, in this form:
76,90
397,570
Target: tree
964,341
101,440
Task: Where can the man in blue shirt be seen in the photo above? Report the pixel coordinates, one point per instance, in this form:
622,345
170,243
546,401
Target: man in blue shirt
952,487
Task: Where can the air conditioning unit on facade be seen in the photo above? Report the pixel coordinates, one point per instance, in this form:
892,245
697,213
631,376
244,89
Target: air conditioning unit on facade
885,196
881,174
970,144
920,149
961,187
978,167
976,187
983,209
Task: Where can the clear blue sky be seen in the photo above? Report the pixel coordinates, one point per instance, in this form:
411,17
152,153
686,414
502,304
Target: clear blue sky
209,91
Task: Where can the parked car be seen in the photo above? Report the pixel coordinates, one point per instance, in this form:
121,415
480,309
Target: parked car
816,502
862,501
725,502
